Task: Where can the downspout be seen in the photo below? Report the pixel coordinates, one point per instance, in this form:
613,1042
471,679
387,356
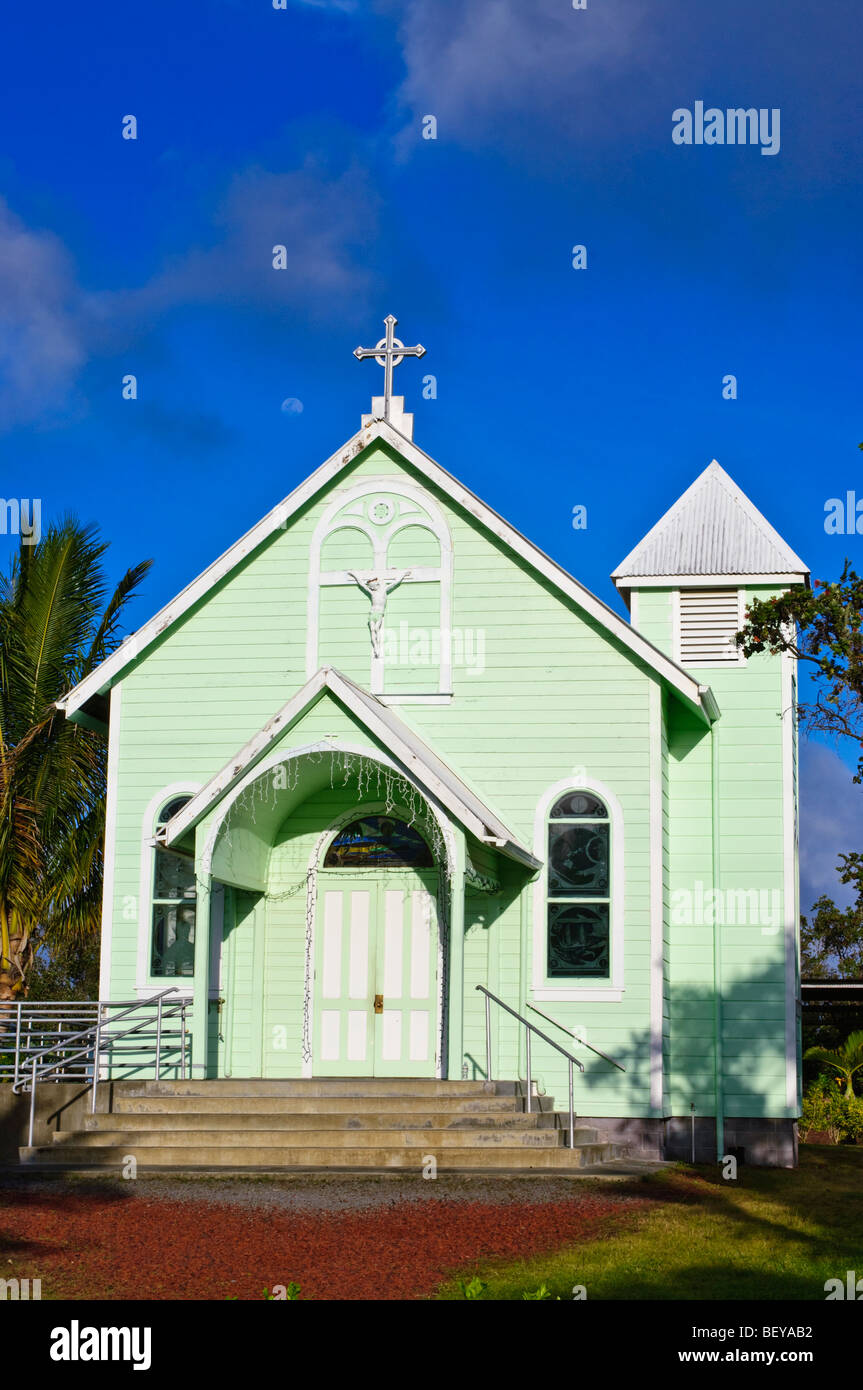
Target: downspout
718,916
526,929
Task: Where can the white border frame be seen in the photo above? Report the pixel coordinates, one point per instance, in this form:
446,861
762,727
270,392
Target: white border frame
145,986
613,991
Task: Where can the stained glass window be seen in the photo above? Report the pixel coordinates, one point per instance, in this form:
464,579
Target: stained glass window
579,892
374,841
172,949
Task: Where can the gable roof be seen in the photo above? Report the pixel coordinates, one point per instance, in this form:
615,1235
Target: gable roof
698,697
421,765
712,529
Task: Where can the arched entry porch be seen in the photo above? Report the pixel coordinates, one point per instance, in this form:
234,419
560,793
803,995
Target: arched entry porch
330,879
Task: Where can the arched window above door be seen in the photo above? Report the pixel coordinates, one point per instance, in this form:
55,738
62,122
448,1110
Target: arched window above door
378,841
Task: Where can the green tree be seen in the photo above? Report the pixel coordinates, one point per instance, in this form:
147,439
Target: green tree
847,1060
55,627
67,970
831,940
821,626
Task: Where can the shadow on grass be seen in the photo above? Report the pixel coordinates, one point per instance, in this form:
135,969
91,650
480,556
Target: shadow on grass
776,1234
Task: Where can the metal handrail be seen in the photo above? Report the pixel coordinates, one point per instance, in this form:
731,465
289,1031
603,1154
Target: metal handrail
95,1028
563,1028
97,1031
530,1028
100,1036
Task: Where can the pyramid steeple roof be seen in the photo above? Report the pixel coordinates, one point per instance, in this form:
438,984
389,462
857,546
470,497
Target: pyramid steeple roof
712,531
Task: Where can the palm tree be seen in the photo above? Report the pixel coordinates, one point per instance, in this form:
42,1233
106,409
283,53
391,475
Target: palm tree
54,629
846,1060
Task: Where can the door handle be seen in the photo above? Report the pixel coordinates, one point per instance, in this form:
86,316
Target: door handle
379,1003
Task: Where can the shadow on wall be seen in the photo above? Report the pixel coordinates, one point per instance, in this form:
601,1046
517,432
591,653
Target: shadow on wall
754,1069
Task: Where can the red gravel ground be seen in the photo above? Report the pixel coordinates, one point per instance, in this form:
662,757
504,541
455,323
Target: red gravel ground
98,1245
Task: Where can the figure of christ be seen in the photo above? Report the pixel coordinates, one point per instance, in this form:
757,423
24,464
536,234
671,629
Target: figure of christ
378,588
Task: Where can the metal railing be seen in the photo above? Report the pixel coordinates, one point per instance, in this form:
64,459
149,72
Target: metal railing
563,1028
528,1029
57,1041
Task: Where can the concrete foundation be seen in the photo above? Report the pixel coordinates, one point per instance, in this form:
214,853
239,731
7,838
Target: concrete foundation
59,1105
65,1106
765,1143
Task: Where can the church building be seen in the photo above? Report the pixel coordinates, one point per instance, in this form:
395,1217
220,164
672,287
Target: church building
385,751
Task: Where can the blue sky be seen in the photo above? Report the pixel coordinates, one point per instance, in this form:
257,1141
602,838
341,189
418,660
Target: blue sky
303,126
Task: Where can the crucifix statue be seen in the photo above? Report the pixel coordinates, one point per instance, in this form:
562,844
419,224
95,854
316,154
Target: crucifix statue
378,588
389,353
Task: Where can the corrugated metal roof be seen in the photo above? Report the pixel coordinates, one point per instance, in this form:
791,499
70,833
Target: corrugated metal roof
713,528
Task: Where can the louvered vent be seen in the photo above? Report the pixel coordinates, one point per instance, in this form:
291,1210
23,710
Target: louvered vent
709,622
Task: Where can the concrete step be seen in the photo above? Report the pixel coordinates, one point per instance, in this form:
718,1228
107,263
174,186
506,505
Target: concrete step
138,1139
350,1159
124,1104
319,1086
322,1119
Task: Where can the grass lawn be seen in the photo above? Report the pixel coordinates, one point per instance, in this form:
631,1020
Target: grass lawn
772,1234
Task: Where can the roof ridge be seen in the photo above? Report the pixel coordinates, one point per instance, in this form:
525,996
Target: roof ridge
111,669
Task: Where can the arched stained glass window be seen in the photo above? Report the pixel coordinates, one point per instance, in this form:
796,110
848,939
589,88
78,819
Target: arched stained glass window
172,949
375,841
579,887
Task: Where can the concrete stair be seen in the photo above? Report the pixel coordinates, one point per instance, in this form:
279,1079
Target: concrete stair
339,1124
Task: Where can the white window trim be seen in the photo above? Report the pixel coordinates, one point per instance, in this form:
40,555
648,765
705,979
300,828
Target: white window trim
146,985
435,521
613,991
675,631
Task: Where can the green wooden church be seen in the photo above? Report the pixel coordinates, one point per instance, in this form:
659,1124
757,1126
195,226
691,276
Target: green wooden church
384,751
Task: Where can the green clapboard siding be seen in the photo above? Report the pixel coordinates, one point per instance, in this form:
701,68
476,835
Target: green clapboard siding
541,695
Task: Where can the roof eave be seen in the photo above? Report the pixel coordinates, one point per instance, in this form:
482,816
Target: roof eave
104,676
479,820
627,582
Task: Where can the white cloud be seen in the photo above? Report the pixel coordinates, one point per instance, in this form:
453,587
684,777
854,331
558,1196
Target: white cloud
831,823
42,322
325,223
475,63
50,326
346,6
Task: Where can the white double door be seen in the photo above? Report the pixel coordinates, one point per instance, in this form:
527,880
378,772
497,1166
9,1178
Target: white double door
376,973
